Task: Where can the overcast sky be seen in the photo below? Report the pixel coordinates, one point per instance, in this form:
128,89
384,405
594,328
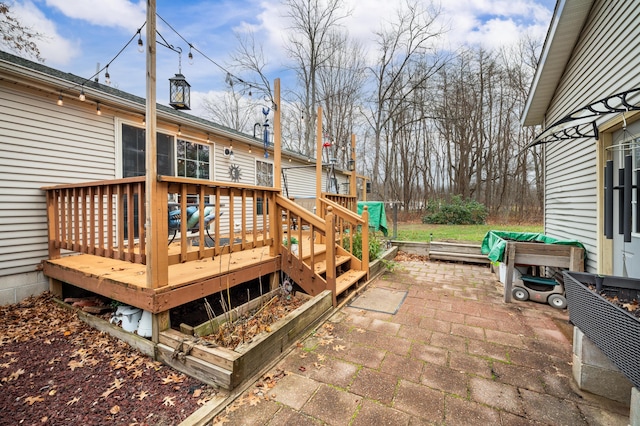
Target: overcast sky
79,34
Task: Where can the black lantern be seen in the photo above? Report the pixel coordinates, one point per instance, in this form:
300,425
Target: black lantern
352,165
179,92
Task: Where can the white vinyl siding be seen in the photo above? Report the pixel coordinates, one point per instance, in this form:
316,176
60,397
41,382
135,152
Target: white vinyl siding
603,63
43,144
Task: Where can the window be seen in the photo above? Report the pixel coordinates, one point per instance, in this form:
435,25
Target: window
134,160
264,173
193,159
133,152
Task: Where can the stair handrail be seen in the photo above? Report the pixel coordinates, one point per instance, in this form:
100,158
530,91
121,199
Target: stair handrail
341,212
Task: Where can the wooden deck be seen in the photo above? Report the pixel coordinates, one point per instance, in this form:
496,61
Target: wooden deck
126,282
98,241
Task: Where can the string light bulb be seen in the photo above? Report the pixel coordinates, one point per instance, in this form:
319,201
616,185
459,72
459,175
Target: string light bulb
179,130
249,149
208,138
144,120
140,43
82,97
60,101
107,76
190,56
98,111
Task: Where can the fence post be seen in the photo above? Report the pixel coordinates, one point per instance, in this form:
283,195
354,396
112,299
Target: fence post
365,240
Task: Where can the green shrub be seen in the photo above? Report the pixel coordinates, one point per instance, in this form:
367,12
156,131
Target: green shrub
375,245
456,212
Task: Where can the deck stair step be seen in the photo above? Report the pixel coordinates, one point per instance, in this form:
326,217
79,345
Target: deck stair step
321,267
347,279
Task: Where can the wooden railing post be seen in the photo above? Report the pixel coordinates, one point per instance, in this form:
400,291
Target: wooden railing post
330,254
365,240
275,223
162,250
52,227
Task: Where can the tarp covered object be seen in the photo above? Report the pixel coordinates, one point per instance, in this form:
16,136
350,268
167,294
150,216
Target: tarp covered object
377,216
494,242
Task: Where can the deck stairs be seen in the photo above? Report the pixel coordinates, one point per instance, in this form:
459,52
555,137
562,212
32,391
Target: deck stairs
309,264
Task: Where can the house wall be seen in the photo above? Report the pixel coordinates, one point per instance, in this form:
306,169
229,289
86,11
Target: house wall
41,144
604,62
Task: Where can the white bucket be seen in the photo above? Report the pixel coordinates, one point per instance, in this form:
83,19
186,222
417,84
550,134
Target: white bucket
127,317
144,327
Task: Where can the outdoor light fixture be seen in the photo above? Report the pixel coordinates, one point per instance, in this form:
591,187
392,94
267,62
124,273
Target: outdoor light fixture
98,111
179,130
82,97
190,56
60,101
107,77
140,43
352,165
179,92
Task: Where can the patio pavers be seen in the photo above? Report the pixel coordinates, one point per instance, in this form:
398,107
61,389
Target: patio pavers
453,354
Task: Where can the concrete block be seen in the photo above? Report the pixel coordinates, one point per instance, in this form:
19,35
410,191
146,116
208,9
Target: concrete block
7,296
595,373
27,290
610,384
590,354
16,287
634,413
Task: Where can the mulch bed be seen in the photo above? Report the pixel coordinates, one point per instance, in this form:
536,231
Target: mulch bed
55,369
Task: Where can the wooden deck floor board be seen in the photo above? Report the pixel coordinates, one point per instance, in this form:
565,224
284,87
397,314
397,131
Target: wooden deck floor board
127,282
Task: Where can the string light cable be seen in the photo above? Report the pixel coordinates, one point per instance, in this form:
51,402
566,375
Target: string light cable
81,85
230,77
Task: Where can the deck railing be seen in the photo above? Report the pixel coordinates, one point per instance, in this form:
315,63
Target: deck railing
96,217
243,216
349,226
307,233
107,218
349,202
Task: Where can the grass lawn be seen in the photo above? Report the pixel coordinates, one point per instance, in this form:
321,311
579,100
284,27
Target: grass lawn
461,233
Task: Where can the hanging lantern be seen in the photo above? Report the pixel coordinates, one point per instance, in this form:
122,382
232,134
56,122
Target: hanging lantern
352,165
179,92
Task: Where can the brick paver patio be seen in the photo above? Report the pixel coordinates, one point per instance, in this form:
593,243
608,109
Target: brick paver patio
453,354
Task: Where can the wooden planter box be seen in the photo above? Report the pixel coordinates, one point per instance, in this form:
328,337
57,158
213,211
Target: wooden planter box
228,368
612,329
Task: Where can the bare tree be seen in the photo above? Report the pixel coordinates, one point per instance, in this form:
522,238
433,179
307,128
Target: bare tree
249,56
340,83
16,37
407,60
230,109
309,46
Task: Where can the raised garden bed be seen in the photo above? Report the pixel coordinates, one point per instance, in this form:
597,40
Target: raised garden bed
598,307
227,368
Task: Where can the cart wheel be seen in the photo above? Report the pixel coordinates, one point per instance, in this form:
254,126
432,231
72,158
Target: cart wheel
557,301
520,293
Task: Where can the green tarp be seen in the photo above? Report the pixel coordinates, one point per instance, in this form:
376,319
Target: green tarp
494,242
377,216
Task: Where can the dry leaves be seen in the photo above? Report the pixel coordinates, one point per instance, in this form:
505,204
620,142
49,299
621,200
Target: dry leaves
231,334
33,399
173,378
56,369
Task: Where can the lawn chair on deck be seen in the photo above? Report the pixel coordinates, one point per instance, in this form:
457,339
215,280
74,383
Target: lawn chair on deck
193,220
